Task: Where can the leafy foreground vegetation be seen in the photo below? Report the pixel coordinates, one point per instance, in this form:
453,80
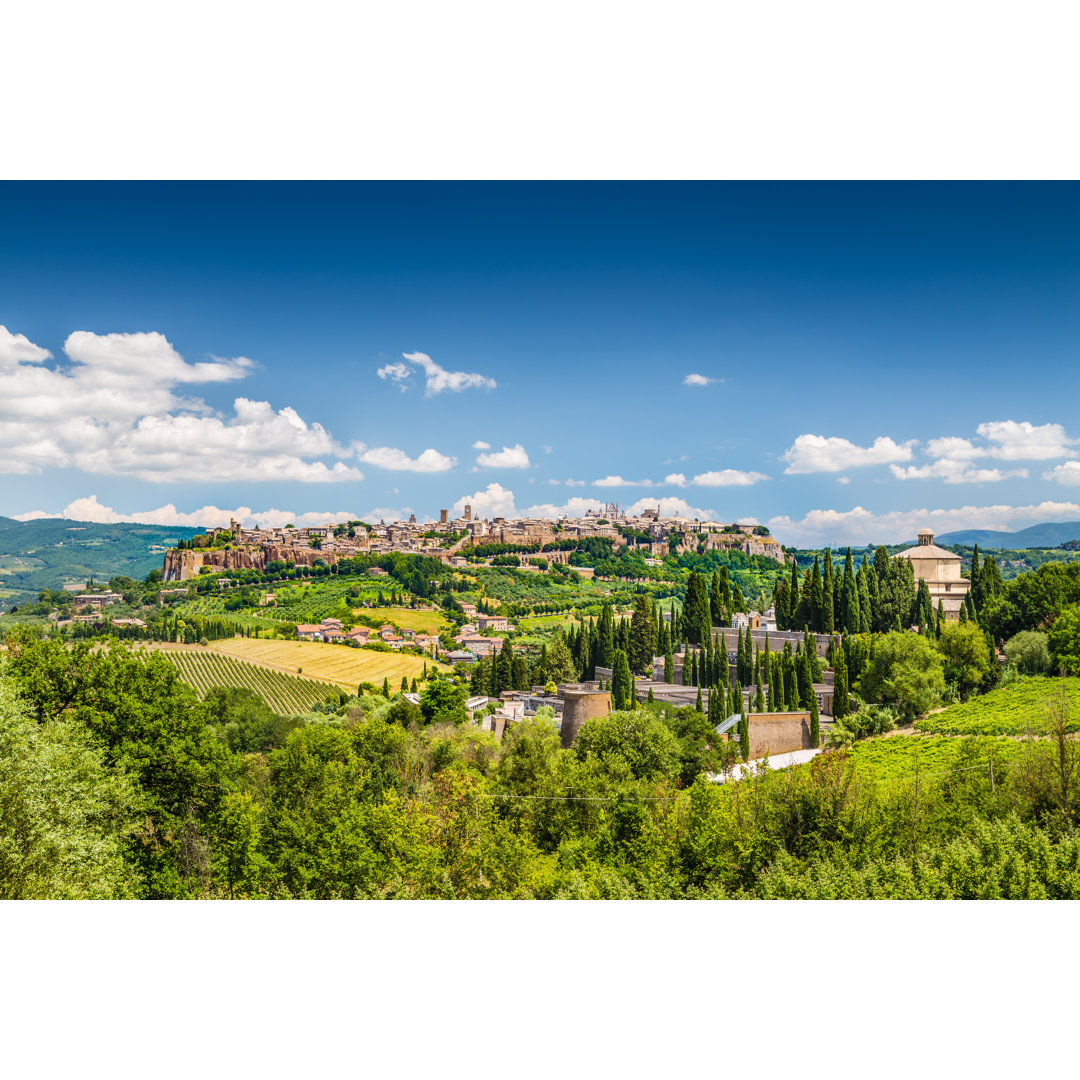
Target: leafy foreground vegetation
1019,708
116,781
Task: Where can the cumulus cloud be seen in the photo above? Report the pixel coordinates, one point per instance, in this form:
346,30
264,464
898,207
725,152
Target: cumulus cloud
1067,473
953,471
618,481
575,483
671,506
694,379
1008,440
492,501
816,453
861,526
675,479
436,378
509,457
481,445
386,457
728,478
89,508
113,409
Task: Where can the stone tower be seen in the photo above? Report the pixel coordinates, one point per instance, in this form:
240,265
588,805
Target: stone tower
579,706
468,512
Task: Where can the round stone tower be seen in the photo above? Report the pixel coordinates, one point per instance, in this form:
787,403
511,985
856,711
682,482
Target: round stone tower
579,706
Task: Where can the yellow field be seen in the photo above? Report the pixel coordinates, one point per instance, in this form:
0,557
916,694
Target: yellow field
424,622
336,664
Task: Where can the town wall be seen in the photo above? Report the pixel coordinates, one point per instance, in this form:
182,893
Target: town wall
778,733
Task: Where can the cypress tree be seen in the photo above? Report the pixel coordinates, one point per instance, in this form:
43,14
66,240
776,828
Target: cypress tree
815,723
642,637
697,704
620,681
780,603
669,667
976,582
849,598
805,679
840,685
816,608
940,619
605,654
776,695
385,687
744,737
791,696
759,699
412,688
872,585
828,589
716,603
651,698
793,593
404,684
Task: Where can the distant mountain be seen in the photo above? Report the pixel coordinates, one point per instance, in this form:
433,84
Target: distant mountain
53,553
1048,535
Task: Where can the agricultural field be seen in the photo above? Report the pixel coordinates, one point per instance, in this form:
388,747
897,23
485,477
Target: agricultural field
1015,709
203,669
338,664
893,758
421,621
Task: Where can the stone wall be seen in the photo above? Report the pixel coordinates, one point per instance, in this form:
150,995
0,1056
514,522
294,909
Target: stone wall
778,733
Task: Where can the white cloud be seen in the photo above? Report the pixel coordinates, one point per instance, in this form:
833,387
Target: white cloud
112,409
509,457
728,478
575,483
547,449
676,479
860,526
954,471
816,453
573,507
481,445
1066,473
1008,440
89,508
671,506
843,479
694,379
437,379
618,481
492,501
386,457
384,513
398,373
17,349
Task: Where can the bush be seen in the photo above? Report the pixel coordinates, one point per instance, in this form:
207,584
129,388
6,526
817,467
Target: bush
1029,652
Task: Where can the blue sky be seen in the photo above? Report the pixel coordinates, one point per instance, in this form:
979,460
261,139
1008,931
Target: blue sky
869,357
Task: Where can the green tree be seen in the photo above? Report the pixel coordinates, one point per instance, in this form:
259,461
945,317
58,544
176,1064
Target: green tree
695,614
904,671
642,636
637,743
966,657
841,701
66,818
1064,640
1029,652
669,667
815,723
560,662
620,682
828,589
849,598
443,702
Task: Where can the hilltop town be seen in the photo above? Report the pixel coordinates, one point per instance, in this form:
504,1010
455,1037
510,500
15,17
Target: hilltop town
453,539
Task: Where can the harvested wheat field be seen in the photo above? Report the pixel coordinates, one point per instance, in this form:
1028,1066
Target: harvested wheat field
338,664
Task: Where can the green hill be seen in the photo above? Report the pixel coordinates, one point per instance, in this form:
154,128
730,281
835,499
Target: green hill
53,553
1047,535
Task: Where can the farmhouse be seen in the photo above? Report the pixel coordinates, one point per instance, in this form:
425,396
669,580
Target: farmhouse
492,622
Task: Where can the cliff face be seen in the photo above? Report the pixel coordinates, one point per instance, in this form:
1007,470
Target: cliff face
184,565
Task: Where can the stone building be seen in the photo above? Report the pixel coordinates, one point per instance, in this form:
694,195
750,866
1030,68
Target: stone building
940,569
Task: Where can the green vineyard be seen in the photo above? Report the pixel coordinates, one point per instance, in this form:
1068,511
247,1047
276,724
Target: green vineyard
285,694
